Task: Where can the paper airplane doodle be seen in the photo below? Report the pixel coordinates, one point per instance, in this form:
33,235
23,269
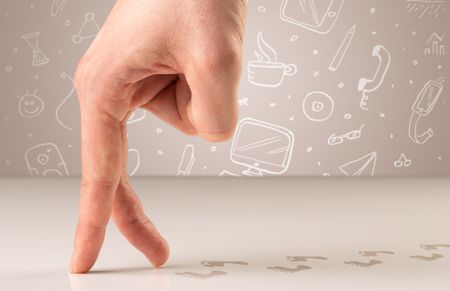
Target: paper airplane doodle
364,166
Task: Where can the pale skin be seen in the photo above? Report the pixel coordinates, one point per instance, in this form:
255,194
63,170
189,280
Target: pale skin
179,59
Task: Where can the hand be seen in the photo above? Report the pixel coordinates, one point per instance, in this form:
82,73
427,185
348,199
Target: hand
181,60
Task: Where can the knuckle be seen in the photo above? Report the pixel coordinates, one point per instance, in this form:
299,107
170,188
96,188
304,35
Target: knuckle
83,74
93,74
218,58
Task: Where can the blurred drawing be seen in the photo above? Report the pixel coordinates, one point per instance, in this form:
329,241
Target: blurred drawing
299,268
243,101
431,258
425,7
30,105
226,173
422,107
46,160
371,263
187,161
319,16
430,247
335,139
267,71
133,163
375,253
57,7
58,109
136,116
39,58
202,276
88,29
342,50
403,162
305,258
364,166
366,86
262,147
222,263
318,106
435,45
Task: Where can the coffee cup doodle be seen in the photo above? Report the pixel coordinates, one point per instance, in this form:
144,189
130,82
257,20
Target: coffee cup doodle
267,71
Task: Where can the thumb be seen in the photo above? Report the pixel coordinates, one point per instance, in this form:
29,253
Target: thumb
214,83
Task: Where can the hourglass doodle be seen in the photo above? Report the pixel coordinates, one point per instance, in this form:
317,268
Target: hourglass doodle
39,58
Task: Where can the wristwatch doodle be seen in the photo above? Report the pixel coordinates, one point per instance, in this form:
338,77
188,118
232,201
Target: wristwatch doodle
422,107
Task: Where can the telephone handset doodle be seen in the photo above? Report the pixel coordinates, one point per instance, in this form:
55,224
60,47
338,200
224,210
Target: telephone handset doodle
316,15
365,85
424,104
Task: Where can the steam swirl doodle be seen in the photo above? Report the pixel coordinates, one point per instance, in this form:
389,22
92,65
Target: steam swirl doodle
267,71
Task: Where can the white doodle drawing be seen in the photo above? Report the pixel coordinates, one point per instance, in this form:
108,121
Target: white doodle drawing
187,161
317,16
136,116
46,159
226,173
342,50
422,107
403,162
65,76
88,30
243,101
366,86
318,106
364,166
39,58
425,7
267,71
262,147
57,7
30,105
132,170
435,45
335,139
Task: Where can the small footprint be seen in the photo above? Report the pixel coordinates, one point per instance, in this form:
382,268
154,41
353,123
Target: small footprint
375,253
304,258
371,263
299,268
431,258
222,263
434,247
202,276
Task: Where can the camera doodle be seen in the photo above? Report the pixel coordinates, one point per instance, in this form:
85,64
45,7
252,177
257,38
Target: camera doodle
46,160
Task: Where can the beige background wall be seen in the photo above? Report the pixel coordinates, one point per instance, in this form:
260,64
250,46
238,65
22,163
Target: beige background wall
296,112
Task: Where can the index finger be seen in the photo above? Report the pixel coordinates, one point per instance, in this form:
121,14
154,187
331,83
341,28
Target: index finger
101,167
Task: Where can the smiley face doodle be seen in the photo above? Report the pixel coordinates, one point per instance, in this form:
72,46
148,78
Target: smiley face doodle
30,105
46,160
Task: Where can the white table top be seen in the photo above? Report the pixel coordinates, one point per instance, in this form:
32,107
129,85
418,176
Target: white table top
255,223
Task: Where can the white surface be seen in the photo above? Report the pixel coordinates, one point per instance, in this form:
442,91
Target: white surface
256,221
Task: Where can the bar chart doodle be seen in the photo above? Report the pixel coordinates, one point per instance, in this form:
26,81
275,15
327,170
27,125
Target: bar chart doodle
435,45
